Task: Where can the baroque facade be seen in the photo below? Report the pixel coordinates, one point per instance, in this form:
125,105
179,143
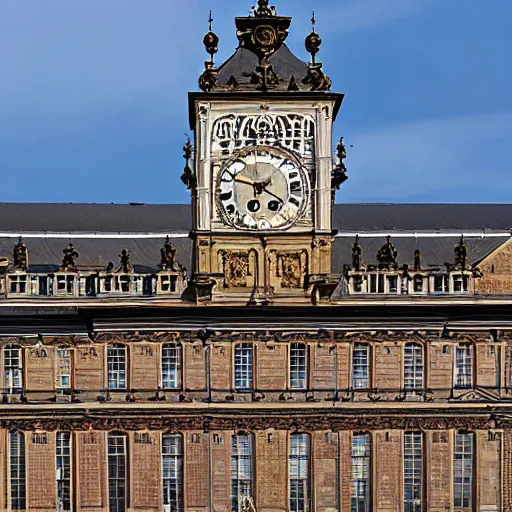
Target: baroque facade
264,349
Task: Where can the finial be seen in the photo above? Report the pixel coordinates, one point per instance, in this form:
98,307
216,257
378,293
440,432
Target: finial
211,42
313,22
313,41
188,177
263,10
210,21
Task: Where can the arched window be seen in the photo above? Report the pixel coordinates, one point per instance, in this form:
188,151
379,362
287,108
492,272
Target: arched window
117,471
172,472
13,368
171,358
413,366
298,366
17,471
244,366
299,472
241,470
116,362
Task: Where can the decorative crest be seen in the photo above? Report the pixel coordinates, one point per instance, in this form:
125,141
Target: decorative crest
168,256
211,43
20,255
188,177
126,266
68,261
388,254
263,10
357,255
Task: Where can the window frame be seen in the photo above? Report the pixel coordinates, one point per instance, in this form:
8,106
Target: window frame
60,371
178,362
17,484
416,374
11,373
117,480
242,461
363,463
462,379
301,502
414,503
465,457
173,462
301,383
353,366
111,371
64,461
243,379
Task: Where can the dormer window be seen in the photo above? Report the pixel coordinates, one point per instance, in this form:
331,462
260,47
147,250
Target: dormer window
168,283
18,284
122,283
461,283
65,284
392,284
441,283
357,283
418,284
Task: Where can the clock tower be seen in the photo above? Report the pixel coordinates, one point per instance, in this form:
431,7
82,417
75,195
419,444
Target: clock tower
262,177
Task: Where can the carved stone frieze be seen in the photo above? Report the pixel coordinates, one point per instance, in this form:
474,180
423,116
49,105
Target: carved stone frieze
292,268
235,268
293,422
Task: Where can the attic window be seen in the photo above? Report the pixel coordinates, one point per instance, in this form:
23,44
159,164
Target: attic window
357,283
441,284
168,284
418,284
460,284
18,284
65,284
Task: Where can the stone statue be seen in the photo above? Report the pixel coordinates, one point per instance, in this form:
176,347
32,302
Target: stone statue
20,255
68,261
461,254
357,255
126,266
388,253
168,256
417,261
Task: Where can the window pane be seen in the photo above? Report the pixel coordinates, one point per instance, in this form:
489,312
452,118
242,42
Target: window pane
413,366
170,366
117,472
298,469
463,364
360,362
63,471
298,367
463,470
172,472
360,501
412,472
243,366
116,366
17,471
241,470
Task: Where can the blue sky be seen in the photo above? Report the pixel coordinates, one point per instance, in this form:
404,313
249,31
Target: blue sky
93,103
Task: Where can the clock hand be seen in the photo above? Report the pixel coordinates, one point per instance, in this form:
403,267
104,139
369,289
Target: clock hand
243,179
265,189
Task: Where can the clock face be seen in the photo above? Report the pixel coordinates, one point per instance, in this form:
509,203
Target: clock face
262,189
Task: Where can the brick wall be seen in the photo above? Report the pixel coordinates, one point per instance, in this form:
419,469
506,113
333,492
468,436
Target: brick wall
145,366
497,272
40,459
439,471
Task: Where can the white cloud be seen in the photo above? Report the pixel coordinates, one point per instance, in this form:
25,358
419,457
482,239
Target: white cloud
434,158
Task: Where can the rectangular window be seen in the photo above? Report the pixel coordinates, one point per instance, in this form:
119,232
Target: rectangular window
65,285
418,284
18,284
392,284
360,501
241,470
13,369
413,465
357,284
117,472
172,473
360,366
63,369
171,366
17,471
441,284
298,467
243,366
463,471
460,284
298,366
168,284
413,366
63,471
123,283
463,367
116,360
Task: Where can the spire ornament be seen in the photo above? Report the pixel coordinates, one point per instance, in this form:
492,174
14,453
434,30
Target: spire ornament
263,10
68,261
208,79
188,177
168,256
316,78
339,175
388,254
20,255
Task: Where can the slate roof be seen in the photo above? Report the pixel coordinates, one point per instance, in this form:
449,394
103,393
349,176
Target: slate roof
141,229
242,65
